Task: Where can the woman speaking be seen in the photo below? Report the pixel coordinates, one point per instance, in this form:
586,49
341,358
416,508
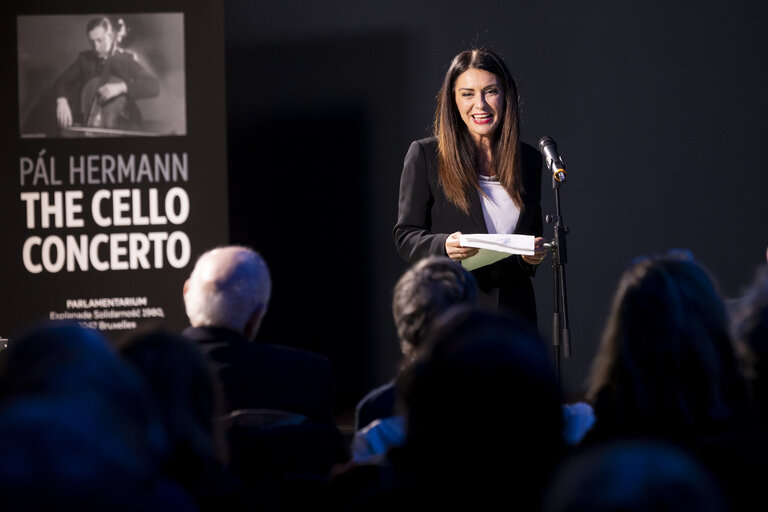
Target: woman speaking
475,176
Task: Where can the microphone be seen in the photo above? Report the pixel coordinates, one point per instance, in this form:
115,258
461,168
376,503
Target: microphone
554,161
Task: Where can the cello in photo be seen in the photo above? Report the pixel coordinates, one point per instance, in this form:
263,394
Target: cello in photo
104,84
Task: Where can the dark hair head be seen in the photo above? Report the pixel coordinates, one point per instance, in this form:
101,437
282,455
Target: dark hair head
750,326
633,476
424,291
180,380
62,358
65,391
457,151
482,402
666,359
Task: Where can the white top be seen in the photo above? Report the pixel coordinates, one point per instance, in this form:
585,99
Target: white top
500,212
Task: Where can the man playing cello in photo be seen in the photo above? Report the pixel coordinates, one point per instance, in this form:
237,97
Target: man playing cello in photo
100,88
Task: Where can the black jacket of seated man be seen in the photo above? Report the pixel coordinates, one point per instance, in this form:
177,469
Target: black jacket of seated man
258,375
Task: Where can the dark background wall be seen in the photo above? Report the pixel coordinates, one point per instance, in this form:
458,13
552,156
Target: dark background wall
657,107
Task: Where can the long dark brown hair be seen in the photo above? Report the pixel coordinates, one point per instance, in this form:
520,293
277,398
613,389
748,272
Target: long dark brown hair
666,359
457,152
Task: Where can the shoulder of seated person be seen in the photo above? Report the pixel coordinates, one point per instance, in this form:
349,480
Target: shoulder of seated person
291,350
378,391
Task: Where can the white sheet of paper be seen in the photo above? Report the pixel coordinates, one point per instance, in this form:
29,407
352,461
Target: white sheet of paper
494,247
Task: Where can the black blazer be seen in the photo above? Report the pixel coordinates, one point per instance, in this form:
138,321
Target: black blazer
426,217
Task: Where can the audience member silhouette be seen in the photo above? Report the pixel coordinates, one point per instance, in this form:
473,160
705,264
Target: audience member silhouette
633,476
77,428
226,298
749,321
180,380
666,369
423,292
484,421
750,326
278,400
666,366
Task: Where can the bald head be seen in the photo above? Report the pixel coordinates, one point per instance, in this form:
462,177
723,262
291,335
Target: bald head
229,287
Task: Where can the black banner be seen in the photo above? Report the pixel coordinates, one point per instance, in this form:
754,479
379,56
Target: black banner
114,159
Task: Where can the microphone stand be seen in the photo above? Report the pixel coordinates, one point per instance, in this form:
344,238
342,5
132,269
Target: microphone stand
560,328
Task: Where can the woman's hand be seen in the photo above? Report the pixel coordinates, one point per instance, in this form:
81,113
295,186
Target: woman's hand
457,252
541,252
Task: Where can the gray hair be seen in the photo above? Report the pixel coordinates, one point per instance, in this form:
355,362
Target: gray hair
226,286
426,290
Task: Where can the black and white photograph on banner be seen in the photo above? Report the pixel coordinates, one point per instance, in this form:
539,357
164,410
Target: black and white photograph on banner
101,75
